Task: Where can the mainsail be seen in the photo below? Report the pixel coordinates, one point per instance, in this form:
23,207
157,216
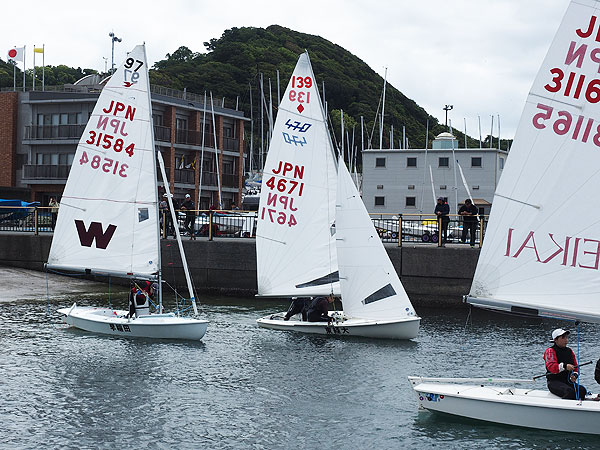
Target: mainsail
295,237
370,285
108,220
541,251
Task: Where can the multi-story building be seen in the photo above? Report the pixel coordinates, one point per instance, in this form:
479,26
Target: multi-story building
400,181
39,132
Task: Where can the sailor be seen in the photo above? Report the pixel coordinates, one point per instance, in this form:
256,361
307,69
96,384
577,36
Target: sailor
299,305
562,368
318,310
139,299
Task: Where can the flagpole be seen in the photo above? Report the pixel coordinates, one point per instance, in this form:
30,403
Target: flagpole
43,67
14,76
24,56
34,67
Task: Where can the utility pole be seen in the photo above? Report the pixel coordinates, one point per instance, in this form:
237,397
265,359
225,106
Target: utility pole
113,39
447,108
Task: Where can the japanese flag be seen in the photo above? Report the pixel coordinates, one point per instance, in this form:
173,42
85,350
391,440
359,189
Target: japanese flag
16,54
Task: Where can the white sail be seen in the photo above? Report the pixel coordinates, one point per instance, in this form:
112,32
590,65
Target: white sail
107,221
370,285
542,245
295,237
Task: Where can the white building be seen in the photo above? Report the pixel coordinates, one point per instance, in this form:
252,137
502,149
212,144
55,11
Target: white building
399,181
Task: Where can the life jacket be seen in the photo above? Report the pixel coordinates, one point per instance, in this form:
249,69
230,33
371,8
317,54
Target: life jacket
597,372
565,356
141,302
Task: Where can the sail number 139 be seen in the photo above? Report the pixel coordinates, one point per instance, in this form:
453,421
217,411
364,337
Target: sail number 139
300,83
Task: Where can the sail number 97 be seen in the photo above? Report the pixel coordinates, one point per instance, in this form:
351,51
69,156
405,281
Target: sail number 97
580,126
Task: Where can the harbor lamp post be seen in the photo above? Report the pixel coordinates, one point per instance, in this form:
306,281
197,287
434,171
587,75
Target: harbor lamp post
113,40
447,108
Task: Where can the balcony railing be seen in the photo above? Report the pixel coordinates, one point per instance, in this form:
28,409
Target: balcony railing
162,133
184,176
54,131
192,137
231,144
48,172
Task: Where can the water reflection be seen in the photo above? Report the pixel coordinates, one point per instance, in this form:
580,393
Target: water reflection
245,386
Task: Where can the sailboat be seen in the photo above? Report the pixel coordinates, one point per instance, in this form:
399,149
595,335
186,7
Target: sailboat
541,251
108,216
314,236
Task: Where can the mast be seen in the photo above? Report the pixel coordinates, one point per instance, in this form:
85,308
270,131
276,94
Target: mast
212,108
202,151
188,278
382,112
165,182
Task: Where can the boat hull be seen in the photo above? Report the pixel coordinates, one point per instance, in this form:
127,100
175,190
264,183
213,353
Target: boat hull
114,323
528,408
391,329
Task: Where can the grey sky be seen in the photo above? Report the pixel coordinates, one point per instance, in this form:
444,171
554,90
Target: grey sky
479,55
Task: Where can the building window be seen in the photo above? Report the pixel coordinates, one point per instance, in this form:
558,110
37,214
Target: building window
380,186
476,161
475,187
501,163
411,202
411,162
411,186
443,187
444,162
379,201
379,162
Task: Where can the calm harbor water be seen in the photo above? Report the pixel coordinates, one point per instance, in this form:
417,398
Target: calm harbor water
246,387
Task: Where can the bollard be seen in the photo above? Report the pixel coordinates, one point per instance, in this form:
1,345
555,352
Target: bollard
35,221
400,230
440,243
210,225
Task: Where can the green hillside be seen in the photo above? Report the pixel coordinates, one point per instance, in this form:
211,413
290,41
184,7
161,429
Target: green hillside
230,67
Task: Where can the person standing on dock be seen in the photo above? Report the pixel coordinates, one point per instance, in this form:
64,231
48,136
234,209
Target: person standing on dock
442,209
469,212
562,368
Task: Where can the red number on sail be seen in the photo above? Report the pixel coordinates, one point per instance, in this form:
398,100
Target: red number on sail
84,158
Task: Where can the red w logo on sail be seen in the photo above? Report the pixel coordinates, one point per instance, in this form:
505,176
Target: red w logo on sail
86,237
567,251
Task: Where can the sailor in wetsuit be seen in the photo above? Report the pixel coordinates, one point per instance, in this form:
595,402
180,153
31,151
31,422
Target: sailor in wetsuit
299,306
318,311
562,368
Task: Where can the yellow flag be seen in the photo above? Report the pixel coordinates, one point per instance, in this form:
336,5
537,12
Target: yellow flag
38,49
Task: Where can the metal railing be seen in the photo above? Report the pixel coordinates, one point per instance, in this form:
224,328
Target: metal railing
49,172
416,228
46,132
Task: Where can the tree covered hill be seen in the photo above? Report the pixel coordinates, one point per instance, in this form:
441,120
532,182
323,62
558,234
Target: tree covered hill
232,65
234,61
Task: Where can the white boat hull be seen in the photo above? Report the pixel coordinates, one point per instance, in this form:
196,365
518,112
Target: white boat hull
114,323
389,329
508,405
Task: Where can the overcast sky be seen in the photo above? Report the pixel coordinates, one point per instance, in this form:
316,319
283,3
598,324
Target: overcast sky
479,55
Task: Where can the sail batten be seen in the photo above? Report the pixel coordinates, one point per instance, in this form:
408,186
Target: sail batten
542,244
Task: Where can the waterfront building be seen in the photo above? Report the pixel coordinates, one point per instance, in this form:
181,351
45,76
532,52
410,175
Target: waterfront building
39,132
398,181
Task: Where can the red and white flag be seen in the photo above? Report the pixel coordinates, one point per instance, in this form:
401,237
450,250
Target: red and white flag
16,54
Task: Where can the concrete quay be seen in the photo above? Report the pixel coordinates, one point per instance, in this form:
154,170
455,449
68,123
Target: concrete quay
432,276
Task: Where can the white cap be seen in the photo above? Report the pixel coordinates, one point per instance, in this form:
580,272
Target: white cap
559,332
187,195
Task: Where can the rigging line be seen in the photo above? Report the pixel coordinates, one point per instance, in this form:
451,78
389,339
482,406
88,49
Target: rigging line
270,239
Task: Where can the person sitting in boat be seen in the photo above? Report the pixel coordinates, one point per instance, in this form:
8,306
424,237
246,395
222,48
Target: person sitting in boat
562,368
299,305
318,310
139,299
597,372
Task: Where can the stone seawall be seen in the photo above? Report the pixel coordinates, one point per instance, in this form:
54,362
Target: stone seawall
432,276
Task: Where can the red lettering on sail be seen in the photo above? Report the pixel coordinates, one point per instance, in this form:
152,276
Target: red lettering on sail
559,251
597,253
86,237
588,32
524,246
